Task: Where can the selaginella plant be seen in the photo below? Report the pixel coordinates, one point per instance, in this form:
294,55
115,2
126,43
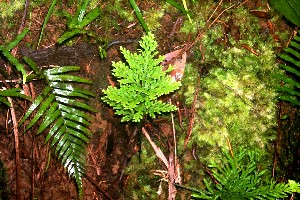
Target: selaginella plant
142,82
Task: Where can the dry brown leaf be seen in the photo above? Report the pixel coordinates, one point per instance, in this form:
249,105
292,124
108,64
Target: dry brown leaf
177,61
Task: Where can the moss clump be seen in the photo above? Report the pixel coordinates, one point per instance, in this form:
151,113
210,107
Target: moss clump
4,191
143,184
237,99
8,9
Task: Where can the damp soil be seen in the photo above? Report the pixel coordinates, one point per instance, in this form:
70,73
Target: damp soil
112,144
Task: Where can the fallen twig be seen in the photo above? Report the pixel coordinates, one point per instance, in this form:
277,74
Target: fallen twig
105,195
157,150
17,150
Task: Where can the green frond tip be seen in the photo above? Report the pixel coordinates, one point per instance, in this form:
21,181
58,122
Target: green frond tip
142,82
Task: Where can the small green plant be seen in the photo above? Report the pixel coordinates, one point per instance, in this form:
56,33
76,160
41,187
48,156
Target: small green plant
238,177
79,21
142,82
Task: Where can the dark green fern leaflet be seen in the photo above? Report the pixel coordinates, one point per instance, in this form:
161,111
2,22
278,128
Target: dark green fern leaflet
63,111
291,89
13,92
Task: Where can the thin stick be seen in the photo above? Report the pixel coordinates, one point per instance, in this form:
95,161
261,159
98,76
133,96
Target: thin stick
174,137
16,137
176,164
214,11
157,150
105,195
220,15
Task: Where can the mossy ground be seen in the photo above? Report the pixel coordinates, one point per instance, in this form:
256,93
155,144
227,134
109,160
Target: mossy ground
231,66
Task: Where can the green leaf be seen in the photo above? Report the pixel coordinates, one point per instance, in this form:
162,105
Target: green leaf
17,40
139,15
52,114
46,104
5,101
69,34
81,12
289,8
288,80
290,59
91,16
74,103
179,7
75,118
68,78
14,61
59,136
75,112
13,92
71,88
36,103
290,99
32,65
49,13
55,128
61,70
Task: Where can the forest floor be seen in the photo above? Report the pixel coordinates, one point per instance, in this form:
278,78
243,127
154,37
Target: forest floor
113,143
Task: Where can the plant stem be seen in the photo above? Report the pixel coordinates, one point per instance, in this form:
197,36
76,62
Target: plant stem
16,136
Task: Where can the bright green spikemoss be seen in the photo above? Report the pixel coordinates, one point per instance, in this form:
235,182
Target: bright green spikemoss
142,81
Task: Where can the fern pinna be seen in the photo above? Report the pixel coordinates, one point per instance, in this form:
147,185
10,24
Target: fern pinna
65,116
291,56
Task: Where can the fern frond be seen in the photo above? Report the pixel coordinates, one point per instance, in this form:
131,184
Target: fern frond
288,8
239,178
290,91
66,117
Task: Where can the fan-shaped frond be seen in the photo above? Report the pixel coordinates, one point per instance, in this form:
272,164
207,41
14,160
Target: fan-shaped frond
60,106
